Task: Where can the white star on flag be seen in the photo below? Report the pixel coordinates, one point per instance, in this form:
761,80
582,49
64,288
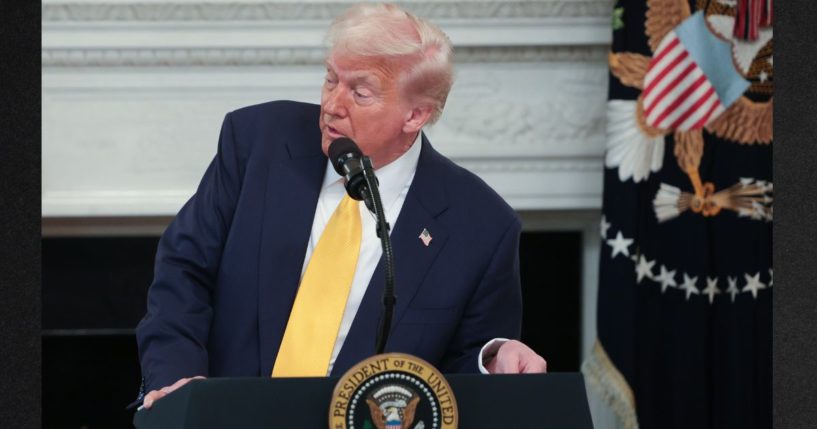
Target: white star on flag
689,285
733,287
666,278
753,284
643,269
620,245
711,288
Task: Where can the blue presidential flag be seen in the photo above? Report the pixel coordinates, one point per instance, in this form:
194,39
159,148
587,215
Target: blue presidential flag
685,282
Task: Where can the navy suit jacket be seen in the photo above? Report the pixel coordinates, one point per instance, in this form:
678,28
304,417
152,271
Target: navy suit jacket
228,266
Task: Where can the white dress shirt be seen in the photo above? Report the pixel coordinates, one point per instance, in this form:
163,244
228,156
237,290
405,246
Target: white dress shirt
394,180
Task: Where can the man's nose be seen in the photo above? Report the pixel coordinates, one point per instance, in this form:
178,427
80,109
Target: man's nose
335,103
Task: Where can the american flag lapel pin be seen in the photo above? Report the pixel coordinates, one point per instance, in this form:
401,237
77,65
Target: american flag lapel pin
425,237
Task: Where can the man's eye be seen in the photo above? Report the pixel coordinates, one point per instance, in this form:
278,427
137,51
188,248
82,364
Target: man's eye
362,94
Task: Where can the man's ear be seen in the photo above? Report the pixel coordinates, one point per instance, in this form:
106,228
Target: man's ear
416,118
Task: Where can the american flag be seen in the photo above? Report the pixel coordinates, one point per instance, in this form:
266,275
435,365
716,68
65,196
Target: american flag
425,237
691,78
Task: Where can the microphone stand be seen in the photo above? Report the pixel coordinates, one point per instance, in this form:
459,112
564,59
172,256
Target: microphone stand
376,206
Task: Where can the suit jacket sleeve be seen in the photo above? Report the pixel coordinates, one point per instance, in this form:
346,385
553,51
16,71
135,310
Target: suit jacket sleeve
495,308
172,337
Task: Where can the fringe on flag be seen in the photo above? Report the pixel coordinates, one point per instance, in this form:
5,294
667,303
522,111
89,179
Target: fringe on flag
603,377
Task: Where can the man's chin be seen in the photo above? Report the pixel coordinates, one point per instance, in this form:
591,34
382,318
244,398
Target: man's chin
325,142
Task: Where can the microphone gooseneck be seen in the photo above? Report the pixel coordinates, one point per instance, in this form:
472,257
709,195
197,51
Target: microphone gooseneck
361,184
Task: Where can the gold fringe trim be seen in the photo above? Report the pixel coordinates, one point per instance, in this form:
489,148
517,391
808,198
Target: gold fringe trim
601,374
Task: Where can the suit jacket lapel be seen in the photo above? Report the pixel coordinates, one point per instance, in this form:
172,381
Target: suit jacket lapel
424,202
292,193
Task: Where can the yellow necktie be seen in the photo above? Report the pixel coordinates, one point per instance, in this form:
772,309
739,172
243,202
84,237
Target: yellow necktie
315,318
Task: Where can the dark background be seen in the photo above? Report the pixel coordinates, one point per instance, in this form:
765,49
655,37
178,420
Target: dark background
94,293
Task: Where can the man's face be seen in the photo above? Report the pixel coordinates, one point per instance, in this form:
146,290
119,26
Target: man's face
361,100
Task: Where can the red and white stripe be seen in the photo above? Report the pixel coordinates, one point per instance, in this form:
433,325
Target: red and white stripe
677,95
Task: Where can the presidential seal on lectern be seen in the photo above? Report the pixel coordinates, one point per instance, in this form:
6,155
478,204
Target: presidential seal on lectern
393,391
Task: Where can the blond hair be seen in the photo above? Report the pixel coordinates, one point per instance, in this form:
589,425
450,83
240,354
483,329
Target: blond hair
419,48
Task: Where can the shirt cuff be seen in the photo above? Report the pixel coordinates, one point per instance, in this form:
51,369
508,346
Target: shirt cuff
488,352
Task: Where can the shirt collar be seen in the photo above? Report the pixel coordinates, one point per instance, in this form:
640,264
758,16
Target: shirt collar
392,178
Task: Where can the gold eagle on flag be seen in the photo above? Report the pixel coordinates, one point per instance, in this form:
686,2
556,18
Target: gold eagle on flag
677,97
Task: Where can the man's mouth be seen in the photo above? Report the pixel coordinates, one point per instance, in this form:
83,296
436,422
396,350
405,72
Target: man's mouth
333,132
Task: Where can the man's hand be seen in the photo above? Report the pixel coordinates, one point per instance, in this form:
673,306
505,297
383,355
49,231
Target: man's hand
155,395
514,357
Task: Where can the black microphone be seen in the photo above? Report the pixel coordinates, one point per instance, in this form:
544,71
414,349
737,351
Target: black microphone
348,161
361,184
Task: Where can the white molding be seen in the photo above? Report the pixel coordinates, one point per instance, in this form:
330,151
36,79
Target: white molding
98,203
549,31
500,165
545,184
554,187
237,44
255,10
291,56
93,33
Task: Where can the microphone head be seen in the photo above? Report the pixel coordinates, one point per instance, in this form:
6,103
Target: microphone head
342,149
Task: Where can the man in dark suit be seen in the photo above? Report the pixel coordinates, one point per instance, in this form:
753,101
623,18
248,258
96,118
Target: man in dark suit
239,273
